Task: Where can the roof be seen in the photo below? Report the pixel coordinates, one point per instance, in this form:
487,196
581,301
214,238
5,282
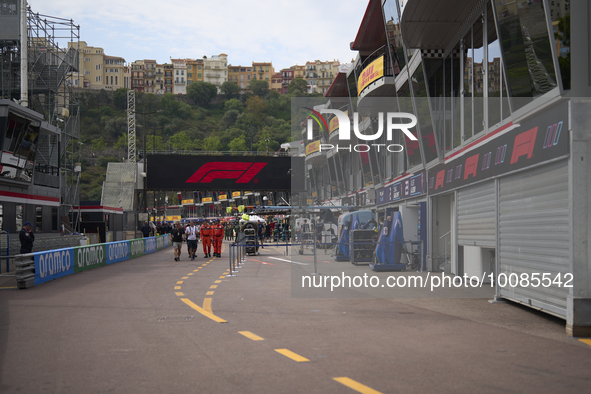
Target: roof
339,86
372,32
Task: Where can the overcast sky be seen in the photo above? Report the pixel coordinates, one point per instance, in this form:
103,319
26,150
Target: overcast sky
284,32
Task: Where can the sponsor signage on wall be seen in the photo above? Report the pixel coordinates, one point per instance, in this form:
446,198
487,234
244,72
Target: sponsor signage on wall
535,140
117,251
137,248
373,71
150,244
53,264
178,172
312,147
410,187
89,257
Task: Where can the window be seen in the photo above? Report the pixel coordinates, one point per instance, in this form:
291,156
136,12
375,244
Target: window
199,75
38,218
189,75
116,83
19,217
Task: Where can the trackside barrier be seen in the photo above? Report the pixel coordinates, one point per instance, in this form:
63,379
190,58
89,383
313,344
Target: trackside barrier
35,268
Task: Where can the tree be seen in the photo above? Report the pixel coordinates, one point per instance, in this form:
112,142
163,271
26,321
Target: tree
298,87
230,117
182,141
99,144
211,144
233,104
230,89
238,144
201,93
258,87
120,98
266,143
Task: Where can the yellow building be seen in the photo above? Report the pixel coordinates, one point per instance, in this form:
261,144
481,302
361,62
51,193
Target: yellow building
150,76
263,71
194,70
97,70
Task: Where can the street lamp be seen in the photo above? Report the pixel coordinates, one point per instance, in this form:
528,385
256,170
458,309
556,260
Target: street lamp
145,173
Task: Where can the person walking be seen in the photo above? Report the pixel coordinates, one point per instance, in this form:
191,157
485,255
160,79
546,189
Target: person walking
217,234
176,237
191,235
206,238
27,238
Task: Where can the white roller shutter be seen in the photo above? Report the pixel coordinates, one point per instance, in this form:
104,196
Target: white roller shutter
534,233
477,215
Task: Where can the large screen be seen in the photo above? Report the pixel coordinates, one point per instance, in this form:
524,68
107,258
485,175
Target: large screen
179,172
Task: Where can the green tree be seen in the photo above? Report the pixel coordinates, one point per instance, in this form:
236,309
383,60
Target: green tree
99,144
211,144
230,117
266,142
230,89
258,87
120,98
233,104
298,87
238,144
183,141
201,93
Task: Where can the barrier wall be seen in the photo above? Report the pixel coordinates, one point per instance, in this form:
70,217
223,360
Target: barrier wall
35,268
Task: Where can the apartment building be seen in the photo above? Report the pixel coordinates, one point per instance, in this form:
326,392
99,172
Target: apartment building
137,76
262,71
240,75
194,70
216,69
276,82
99,71
320,75
180,76
168,77
150,76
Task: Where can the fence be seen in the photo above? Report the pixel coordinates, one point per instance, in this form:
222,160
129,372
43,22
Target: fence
9,243
33,269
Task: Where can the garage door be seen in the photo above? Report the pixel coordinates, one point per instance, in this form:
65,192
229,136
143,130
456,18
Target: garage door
477,215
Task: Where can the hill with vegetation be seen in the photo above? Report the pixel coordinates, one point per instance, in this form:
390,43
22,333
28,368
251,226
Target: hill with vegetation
201,120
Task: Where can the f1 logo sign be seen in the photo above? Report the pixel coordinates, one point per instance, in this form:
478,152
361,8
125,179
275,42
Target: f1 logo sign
242,172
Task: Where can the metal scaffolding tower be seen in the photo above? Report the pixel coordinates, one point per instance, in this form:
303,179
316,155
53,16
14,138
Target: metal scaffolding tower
52,58
131,156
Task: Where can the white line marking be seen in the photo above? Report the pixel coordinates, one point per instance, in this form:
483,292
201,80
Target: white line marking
289,261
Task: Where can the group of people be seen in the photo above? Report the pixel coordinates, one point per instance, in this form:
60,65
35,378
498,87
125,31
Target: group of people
210,234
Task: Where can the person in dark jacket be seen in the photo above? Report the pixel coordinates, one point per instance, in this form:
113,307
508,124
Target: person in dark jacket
27,238
146,230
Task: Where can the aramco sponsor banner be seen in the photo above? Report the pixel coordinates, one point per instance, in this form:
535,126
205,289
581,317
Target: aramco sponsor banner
117,251
89,257
159,243
150,244
53,264
137,247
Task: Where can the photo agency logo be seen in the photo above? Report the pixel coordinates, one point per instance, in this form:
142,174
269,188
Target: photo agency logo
391,119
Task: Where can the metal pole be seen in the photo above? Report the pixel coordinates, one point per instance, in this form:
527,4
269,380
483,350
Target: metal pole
145,167
314,237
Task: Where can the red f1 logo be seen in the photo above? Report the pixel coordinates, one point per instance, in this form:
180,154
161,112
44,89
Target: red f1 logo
242,172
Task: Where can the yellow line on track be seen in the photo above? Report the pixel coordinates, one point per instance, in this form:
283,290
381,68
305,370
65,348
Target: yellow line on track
203,311
223,277
207,304
180,282
361,388
250,335
177,287
213,286
587,341
209,293
294,356
185,277
178,293
12,287
218,281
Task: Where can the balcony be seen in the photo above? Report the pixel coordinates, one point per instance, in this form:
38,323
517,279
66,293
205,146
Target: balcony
313,153
376,78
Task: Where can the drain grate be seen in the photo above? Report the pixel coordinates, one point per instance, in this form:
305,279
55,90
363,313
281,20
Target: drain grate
176,319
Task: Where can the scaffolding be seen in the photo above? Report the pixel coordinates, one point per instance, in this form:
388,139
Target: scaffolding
52,59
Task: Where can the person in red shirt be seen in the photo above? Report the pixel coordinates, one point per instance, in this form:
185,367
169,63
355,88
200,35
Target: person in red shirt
217,235
205,234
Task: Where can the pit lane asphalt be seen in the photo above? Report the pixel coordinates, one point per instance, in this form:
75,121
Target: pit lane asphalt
127,328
